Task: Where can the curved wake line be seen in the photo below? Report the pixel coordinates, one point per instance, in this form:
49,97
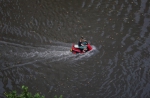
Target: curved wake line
41,59
14,44
52,54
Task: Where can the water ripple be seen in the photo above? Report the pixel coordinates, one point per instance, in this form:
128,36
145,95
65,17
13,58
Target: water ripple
36,37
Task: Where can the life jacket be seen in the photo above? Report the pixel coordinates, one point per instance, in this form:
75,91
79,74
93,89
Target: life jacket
85,43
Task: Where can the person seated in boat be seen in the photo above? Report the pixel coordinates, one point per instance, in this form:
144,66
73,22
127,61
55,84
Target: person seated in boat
82,44
82,41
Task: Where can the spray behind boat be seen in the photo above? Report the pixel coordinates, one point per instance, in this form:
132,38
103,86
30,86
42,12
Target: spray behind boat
20,55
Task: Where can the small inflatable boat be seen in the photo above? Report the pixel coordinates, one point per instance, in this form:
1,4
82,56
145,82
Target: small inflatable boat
76,49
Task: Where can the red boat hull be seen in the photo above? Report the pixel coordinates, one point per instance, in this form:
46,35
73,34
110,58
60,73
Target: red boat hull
75,50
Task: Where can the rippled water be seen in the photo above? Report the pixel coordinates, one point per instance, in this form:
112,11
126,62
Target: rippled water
35,41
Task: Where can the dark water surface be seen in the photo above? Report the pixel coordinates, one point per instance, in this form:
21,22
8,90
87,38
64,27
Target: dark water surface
36,36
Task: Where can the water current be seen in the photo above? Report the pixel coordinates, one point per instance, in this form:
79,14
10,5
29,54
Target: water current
36,37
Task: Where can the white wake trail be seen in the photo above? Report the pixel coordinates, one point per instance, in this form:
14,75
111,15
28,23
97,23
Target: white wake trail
49,53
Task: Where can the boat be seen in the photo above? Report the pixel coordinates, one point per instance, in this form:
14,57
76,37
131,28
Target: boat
75,49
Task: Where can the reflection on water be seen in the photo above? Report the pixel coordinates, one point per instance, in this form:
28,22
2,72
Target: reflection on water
36,37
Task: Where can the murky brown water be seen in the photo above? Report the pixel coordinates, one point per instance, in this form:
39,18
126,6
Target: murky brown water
36,36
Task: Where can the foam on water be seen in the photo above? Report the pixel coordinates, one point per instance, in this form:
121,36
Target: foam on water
51,53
